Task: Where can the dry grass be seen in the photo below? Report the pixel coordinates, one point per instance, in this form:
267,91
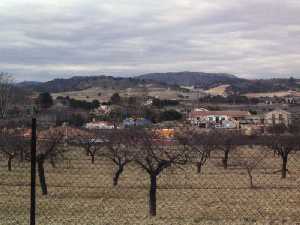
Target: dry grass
93,93
81,193
220,90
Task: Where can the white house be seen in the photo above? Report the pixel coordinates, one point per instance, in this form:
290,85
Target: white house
217,119
99,125
278,116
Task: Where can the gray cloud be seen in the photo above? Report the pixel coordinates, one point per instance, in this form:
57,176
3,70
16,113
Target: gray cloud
45,39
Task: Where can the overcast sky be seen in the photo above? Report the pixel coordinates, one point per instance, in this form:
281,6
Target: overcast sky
41,40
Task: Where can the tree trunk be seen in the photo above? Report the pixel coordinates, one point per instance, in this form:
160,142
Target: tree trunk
9,162
52,163
93,158
117,175
225,159
41,173
199,167
284,166
250,178
22,157
152,195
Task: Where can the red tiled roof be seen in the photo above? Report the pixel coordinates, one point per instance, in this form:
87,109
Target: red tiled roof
70,131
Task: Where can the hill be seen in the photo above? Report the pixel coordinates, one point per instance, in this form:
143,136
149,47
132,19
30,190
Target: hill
86,82
27,84
264,85
197,79
204,81
212,80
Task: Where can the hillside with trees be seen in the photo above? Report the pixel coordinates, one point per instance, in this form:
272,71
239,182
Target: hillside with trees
211,80
198,79
166,80
79,83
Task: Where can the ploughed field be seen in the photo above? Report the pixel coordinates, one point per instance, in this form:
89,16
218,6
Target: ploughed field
82,193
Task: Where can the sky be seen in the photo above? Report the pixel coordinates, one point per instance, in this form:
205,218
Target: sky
42,40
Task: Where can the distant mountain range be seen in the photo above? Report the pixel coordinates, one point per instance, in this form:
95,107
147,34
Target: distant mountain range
196,79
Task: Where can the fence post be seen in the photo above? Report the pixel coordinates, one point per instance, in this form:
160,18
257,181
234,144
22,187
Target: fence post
33,173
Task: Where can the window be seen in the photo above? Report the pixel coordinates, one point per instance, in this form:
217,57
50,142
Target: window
273,119
280,118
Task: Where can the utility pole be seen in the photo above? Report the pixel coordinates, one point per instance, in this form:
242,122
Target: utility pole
33,173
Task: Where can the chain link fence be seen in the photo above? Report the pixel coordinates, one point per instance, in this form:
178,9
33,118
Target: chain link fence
81,190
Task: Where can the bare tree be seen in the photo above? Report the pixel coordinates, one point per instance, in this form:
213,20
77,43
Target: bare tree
200,146
154,154
12,145
249,160
283,145
226,142
118,150
90,142
48,148
6,85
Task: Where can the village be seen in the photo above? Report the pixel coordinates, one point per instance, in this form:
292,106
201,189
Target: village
130,112
130,147
169,114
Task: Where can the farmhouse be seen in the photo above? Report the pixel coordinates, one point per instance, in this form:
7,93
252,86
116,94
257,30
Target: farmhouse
217,119
102,110
253,124
278,116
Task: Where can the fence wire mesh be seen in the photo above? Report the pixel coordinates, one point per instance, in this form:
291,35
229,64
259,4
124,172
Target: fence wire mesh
81,190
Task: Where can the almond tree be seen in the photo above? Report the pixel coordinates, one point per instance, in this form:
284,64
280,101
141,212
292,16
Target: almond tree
283,145
12,145
49,148
154,154
199,145
90,142
249,160
117,149
227,141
